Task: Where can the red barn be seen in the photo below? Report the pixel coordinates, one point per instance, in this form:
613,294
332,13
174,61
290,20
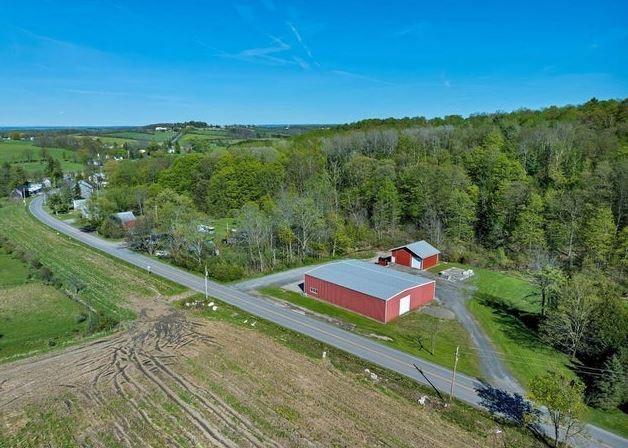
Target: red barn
418,255
369,289
126,219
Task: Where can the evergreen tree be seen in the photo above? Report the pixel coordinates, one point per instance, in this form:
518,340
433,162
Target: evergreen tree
610,386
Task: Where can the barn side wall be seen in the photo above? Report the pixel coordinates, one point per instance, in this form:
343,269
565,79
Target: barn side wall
346,298
403,257
419,296
431,261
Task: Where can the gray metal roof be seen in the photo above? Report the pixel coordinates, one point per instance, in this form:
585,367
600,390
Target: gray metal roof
125,217
422,249
368,278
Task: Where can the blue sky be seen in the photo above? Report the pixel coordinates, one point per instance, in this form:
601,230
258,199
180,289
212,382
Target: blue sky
266,61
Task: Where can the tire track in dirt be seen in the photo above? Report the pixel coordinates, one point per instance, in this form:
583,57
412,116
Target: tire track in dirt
222,410
137,366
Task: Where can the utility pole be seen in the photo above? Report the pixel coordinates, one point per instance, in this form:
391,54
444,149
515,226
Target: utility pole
206,274
453,376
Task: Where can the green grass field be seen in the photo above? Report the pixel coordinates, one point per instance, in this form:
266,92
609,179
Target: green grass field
404,332
222,226
119,140
502,304
107,284
13,271
33,316
28,156
161,136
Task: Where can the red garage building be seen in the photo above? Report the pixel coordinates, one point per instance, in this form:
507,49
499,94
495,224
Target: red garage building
418,255
369,289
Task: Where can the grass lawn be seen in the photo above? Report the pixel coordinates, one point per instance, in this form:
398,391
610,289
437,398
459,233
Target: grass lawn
222,225
107,284
515,291
502,304
522,350
405,331
613,420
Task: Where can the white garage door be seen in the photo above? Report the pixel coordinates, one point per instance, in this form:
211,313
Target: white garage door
404,305
416,263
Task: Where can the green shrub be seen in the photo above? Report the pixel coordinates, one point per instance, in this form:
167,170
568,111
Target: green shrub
97,322
110,228
225,271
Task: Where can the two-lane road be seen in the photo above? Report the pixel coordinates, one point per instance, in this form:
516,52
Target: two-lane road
277,313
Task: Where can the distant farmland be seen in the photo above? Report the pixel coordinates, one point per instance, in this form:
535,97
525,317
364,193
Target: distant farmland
161,136
30,158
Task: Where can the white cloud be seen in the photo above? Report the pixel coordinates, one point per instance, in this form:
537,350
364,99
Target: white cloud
359,76
299,39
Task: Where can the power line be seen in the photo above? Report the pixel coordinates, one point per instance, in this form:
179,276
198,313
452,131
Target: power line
545,363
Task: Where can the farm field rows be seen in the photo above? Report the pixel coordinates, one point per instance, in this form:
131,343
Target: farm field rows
211,378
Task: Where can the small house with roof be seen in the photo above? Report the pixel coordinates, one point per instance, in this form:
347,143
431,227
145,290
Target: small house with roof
126,219
418,255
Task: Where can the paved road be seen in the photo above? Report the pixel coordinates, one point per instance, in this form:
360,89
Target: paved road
276,279
266,308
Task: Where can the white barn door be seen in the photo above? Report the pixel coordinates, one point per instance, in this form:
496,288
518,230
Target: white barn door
416,263
404,305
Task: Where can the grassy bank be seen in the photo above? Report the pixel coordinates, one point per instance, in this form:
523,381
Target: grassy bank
410,332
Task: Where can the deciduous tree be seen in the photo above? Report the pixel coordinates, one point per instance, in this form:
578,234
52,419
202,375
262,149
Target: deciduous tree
562,396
